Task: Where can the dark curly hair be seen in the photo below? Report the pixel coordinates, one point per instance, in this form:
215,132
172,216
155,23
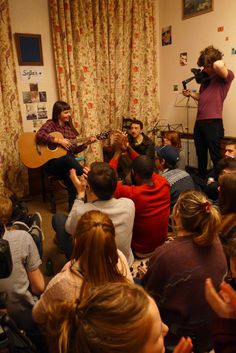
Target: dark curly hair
209,55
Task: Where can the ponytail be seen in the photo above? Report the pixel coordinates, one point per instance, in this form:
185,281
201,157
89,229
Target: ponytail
62,323
210,228
112,318
198,217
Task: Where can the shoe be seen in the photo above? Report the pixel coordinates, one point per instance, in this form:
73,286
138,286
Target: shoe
21,226
36,231
37,235
36,220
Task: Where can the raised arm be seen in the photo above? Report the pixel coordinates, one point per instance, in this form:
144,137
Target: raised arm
80,185
220,69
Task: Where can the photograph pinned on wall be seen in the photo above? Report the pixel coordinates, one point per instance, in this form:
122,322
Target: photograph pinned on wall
193,8
33,87
37,124
31,111
175,88
43,96
30,97
42,111
35,96
27,97
183,59
166,36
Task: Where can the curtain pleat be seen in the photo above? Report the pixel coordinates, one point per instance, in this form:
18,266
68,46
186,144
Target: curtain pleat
13,176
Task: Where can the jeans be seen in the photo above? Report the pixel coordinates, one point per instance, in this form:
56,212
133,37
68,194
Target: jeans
64,240
207,135
60,167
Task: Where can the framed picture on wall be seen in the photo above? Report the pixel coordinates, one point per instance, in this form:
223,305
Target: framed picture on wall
29,49
196,7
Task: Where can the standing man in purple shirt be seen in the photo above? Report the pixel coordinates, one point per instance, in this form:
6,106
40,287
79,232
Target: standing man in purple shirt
208,129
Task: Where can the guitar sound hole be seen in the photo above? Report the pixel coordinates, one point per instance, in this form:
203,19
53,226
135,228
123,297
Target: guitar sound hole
52,146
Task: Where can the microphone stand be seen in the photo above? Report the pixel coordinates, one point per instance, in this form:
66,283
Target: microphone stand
187,129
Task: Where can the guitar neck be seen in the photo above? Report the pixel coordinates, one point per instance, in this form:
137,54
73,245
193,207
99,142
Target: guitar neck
101,136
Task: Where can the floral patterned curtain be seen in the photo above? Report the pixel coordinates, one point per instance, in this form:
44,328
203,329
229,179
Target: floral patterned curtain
105,54
13,176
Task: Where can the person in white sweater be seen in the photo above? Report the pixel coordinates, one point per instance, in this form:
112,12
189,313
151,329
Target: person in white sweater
96,193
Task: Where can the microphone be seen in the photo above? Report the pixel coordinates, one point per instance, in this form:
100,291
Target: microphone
199,75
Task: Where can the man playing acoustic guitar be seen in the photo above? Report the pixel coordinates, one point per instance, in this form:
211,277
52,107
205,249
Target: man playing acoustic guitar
61,122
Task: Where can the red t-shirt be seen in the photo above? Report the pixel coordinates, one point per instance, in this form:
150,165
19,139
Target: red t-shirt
152,209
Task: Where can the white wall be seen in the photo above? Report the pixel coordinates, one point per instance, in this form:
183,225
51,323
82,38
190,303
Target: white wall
32,17
191,36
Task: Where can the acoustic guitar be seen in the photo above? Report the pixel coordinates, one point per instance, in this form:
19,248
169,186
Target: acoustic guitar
34,155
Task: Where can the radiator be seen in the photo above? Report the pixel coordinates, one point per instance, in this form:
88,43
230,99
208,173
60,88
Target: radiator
192,153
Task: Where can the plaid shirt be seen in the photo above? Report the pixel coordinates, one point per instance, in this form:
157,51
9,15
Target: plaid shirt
43,135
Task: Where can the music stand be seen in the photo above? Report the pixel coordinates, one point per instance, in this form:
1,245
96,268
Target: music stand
184,102
160,125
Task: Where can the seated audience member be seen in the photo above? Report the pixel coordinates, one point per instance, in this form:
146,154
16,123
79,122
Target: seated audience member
98,190
166,162
33,227
172,138
150,193
116,317
95,261
25,282
224,327
227,204
140,143
230,149
210,187
195,254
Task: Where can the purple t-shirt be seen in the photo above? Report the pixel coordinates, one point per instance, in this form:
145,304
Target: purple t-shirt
212,96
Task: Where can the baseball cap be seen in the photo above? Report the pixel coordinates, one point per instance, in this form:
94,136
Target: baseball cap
169,153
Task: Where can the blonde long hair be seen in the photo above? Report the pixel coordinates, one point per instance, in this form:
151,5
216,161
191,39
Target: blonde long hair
198,217
112,318
95,251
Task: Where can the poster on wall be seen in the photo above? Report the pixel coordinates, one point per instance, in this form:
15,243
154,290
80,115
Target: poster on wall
196,7
183,59
166,36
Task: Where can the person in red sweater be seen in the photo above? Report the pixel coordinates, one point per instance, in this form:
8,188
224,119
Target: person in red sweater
150,193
